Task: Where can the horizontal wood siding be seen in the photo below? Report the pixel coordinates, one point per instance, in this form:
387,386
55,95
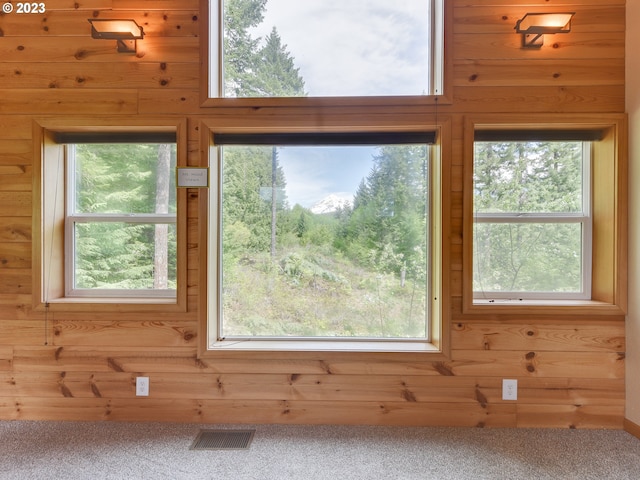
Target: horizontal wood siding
82,365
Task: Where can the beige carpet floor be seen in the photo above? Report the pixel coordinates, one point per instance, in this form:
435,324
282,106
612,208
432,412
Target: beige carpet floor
88,450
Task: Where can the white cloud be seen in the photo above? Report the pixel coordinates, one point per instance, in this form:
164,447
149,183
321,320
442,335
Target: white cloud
354,47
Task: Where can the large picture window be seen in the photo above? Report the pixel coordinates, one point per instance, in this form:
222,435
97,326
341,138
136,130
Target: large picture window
323,237
325,48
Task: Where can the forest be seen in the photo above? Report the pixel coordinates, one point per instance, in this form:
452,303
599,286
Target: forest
531,217
358,270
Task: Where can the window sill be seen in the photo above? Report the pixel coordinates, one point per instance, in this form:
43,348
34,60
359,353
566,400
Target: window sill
381,346
116,304
325,102
540,307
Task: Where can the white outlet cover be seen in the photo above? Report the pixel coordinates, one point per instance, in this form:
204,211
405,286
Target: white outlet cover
509,389
142,386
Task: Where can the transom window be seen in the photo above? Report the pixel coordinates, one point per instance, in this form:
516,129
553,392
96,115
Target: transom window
325,48
532,218
322,236
120,223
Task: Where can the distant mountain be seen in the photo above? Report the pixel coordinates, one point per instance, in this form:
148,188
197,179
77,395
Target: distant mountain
331,203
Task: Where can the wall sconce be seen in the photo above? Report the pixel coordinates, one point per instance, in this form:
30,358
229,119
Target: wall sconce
125,32
534,25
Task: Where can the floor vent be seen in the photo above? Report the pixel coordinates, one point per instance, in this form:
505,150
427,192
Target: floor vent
223,440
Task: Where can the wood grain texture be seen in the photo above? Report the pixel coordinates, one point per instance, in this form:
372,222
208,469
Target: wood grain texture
81,365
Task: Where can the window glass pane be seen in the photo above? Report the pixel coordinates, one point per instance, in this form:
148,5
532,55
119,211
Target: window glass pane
530,257
290,48
325,241
125,256
125,178
528,177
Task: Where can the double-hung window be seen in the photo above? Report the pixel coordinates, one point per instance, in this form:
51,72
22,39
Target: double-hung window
109,219
120,223
532,217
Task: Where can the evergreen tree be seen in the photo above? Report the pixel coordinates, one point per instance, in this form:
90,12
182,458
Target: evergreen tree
276,74
387,228
240,48
250,172
524,178
124,179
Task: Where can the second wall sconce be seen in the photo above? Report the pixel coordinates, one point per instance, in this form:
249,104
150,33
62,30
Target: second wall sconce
125,32
534,25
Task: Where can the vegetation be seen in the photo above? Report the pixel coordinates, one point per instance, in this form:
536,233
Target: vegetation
129,179
521,178
358,271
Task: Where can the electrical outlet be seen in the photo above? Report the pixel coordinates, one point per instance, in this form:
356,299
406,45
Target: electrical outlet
509,389
142,386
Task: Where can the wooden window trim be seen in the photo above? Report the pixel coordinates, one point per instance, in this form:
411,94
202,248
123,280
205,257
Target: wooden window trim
609,210
445,98
48,237
436,349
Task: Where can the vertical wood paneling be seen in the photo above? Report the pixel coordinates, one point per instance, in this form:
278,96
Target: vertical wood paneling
82,365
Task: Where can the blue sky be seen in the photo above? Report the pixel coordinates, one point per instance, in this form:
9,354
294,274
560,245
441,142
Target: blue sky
313,173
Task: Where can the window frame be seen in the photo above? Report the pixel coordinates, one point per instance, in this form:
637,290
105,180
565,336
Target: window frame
584,218
49,230
212,16
609,208
210,235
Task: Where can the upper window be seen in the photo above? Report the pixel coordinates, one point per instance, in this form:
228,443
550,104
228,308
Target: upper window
120,223
325,48
323,236
532,219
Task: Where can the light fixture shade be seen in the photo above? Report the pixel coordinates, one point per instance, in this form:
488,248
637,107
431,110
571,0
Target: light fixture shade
541,23
116,29
124,32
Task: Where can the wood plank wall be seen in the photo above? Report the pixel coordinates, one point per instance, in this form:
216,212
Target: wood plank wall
83,366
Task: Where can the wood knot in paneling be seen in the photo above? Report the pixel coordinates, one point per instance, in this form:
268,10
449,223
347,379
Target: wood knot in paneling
443,369
481,398
65,391
530,357
95,390
114,365
408,395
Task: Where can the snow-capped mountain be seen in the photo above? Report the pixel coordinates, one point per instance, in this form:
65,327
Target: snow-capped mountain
331,203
